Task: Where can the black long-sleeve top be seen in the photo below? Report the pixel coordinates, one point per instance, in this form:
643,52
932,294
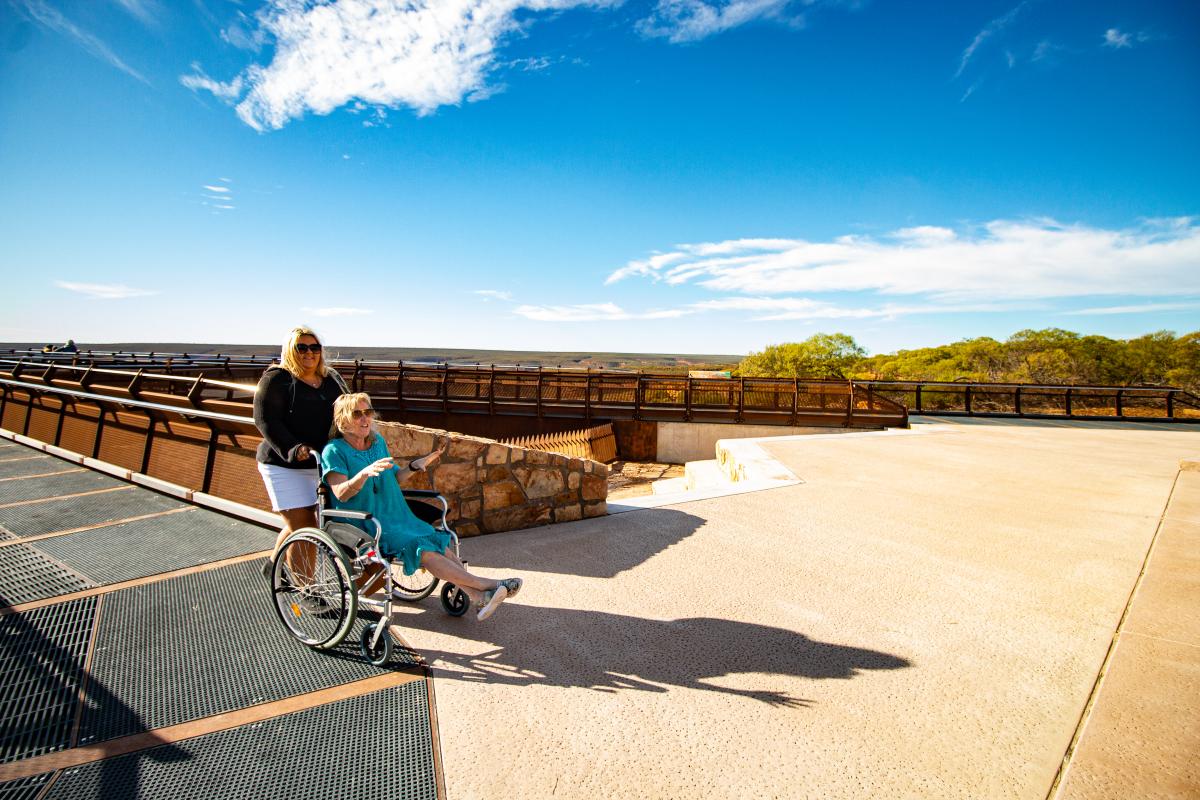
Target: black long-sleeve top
289,413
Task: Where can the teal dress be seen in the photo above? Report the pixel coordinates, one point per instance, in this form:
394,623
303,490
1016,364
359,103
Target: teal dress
404,536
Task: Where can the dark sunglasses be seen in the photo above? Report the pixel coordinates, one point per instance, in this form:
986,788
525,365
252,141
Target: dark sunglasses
359,413
301,347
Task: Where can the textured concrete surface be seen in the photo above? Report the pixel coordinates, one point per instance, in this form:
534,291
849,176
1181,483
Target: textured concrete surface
924,616
680,442
1142,737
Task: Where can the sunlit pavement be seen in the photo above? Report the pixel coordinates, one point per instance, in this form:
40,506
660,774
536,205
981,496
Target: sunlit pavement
925,616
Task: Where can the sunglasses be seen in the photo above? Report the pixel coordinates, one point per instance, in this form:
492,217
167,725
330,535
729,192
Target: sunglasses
301,347
359,413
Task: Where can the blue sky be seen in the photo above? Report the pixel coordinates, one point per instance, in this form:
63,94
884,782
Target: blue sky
657,176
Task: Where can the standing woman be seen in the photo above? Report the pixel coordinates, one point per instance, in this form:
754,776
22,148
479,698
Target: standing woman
293,410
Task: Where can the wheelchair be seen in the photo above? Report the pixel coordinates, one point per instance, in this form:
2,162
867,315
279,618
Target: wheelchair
322,576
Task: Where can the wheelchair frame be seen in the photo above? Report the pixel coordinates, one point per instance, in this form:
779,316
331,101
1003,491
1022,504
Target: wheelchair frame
316,573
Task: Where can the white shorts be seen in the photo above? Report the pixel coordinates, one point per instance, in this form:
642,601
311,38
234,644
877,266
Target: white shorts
289,488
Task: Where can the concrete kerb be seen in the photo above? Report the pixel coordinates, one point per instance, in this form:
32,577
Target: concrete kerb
752,469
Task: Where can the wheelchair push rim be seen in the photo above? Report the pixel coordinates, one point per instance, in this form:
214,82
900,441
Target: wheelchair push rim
314,594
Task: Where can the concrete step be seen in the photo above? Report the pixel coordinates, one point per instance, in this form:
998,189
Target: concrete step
703,475
669,486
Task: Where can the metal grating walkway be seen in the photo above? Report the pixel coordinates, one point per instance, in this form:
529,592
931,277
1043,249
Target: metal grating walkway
189,680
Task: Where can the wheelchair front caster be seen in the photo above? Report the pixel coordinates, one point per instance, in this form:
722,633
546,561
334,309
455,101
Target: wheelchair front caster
381,653
454,600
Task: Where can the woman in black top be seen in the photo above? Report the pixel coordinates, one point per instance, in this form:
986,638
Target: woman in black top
293,409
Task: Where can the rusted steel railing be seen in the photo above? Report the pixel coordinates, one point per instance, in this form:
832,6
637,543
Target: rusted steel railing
402,389
1048,401
191,432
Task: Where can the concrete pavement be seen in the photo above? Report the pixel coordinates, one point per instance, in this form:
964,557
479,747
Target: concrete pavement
924,616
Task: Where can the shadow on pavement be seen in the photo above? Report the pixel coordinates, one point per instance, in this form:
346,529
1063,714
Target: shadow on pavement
594,548
610,652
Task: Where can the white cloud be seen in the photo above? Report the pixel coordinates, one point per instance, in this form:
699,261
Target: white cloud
1115,39
217,189
492,294
144,10
104,291
1145,308
49,17
1002,260
339,311
988,31
421,54
592,312
692,20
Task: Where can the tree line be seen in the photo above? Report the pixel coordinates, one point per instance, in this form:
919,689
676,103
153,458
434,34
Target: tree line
1051,355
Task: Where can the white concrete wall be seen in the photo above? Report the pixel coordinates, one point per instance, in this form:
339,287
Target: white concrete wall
681,442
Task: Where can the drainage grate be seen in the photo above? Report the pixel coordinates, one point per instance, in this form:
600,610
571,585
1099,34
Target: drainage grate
56,485
41,668
152,546
26,574
363,748
203,644
24,788
31,465
5,533
80,512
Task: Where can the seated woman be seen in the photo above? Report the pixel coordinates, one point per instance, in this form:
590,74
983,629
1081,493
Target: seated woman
363,477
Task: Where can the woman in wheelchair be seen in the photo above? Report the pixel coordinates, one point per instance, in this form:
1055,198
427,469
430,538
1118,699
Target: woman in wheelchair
363,477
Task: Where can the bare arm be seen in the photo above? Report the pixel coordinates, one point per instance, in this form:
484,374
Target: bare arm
344,488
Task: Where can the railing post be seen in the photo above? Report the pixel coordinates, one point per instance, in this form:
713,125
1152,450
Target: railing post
1120,407
795,400
687,399
967,399
1068,401
587,395
539,391
443,389
492,391
637,397
1170,404
1017,402
919,398
849,403
741,399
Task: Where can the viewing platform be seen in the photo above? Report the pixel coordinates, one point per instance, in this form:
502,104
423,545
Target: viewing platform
961,608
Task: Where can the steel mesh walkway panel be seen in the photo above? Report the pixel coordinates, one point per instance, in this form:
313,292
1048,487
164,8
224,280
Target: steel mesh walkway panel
24,788
80,512
152,546
203,644
41,669
26,575
30,465
56,485
294,756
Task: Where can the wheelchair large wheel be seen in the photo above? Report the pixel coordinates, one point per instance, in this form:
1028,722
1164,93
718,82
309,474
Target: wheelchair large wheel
314,594
412,588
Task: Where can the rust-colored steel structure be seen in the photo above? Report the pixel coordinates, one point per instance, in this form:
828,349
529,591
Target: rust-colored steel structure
405,390
193,432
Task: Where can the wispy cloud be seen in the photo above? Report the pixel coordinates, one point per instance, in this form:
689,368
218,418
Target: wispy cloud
493,294
1001,260
988,31
592,312
104,291
1119,40
217,189
339,311
218,196
1144,308
146,11
420,54
692,20
50,18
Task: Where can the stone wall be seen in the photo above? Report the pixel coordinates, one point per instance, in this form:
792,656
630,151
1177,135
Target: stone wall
492,487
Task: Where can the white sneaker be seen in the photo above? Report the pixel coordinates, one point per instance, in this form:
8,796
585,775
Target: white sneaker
513,585
491,601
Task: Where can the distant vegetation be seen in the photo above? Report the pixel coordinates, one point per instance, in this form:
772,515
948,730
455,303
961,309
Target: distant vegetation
1046,356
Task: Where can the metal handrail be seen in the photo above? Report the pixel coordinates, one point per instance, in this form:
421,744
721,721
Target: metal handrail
103,398
130,374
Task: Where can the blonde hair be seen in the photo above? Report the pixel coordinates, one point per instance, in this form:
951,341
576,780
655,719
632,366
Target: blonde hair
288,359
343,412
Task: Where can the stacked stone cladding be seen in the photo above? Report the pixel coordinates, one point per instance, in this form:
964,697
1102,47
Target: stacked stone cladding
492,487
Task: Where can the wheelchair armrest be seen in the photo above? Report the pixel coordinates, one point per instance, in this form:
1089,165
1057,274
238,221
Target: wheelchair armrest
420,493
340,514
